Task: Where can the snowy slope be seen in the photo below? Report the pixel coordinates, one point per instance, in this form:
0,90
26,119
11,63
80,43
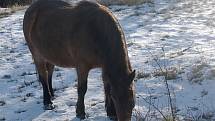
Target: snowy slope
177,35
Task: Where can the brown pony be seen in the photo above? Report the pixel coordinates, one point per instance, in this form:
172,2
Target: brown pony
82,36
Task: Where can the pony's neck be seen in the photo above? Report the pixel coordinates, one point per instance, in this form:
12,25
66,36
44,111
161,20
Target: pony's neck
117,61
118,65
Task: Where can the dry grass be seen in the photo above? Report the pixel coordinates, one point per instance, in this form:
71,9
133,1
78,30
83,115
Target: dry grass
7,11
124,2
135,2
169,73
10,3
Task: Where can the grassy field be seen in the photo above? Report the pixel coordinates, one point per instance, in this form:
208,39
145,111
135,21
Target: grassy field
10,3
4,12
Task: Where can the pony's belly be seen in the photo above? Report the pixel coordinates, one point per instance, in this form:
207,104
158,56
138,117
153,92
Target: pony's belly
60,60
72,61
63,63
66,52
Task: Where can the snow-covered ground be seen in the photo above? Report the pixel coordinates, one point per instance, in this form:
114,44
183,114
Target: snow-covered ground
176,35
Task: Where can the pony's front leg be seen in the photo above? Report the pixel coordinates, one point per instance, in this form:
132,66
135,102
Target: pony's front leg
82,73
109,105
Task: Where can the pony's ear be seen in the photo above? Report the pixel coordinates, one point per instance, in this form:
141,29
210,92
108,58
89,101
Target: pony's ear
132,75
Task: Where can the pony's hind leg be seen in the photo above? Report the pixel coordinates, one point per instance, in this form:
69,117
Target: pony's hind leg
82,73
109,105
43,78
50,69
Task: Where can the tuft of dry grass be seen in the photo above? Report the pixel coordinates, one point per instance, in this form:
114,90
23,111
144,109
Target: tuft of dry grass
135,2
4,12
197,72
142,75
169,74
124,2
10,3
7,11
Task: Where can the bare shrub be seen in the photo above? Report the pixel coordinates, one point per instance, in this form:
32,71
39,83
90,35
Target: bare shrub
171,97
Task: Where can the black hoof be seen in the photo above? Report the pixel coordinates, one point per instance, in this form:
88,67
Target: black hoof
113,118
48,107
81,116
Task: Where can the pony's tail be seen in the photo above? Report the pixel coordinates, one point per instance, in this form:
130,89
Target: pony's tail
29,20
